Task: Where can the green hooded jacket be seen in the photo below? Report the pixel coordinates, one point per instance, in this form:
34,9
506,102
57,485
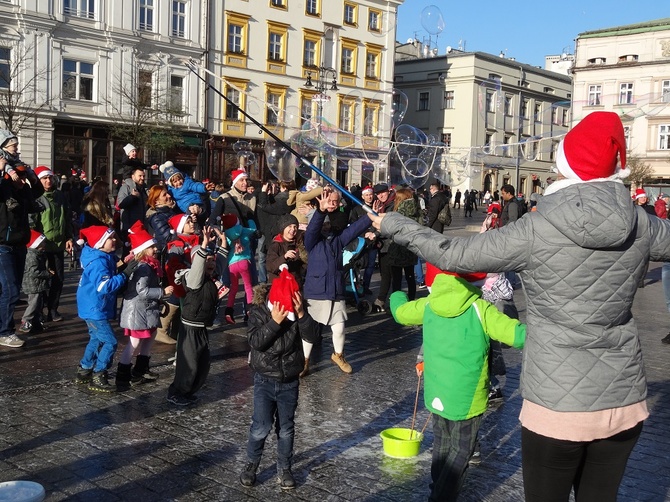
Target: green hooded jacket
55,221
457,325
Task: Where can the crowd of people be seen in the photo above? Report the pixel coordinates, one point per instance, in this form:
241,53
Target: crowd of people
176,251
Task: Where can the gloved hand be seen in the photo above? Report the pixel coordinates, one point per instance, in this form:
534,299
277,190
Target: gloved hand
130,268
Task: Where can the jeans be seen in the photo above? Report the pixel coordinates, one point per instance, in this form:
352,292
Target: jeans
594,469
418,271
665,278
100,350
56,262
453,444
10,283
261,256
274,404
370,268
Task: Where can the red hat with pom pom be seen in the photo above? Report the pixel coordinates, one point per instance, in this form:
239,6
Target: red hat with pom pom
95,235
140,239
177,222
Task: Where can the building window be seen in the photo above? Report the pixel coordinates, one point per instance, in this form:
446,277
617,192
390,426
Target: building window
305,109
595,95
664,137
446,139
179,19
488,139
346,124
537,112
238,34
309,53
275,47
626,134
565,121
628,58
507,150
370,121
554,115
448,99
176,94
79,8
524,108
347,65
232,109
549,90
147,15
374,20
490,101
5,67
312,7
235,38
77,80
594,61
665,91
626,93
278,3
508,105
277,41
274,105
424,101
350,14
144,88
371,65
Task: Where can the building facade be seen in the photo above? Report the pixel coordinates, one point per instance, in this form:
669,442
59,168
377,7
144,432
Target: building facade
626,69
498,121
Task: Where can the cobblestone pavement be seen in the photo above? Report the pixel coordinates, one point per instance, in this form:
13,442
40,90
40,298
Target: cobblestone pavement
135,446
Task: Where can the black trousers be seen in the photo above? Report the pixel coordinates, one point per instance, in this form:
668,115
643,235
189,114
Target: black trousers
55,262
553,467
192,361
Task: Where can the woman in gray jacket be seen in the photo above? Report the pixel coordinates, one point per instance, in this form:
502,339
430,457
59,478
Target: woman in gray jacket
580,257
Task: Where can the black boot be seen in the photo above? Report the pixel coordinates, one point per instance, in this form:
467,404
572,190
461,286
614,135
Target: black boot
123,375
83,375
229,315
248,475
99,383
140,372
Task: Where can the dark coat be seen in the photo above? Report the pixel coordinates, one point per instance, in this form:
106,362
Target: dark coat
158,225
437,201
36,277
133,207
15,205
268,210
276,349
400,256
275,257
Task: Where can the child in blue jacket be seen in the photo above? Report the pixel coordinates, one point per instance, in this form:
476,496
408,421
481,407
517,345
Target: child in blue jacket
190,195
96,303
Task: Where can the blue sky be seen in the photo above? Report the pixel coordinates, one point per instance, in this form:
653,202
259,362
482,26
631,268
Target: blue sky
526,30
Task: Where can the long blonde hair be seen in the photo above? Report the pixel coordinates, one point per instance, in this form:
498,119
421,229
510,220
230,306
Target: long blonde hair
96,202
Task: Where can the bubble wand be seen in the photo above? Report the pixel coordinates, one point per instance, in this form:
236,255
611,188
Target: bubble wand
193,66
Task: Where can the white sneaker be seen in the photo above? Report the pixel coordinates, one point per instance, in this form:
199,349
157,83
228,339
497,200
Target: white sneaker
11,341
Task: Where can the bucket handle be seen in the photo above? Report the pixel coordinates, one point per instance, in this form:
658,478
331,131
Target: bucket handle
416,404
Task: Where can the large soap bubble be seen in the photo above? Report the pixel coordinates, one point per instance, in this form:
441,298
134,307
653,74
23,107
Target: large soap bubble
432,20
280,160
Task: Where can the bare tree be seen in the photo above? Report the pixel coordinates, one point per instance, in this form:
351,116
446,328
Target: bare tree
640,171
144,114
20,101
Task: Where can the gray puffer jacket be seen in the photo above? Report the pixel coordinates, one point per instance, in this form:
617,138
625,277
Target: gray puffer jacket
580,257
141,306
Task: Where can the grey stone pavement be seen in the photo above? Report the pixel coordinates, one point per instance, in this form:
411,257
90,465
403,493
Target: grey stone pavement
135,446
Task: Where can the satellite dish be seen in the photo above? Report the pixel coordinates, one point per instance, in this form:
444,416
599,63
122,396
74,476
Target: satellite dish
442,79
410,40
449,49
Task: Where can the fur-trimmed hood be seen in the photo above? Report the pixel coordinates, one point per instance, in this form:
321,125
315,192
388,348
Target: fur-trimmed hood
260,294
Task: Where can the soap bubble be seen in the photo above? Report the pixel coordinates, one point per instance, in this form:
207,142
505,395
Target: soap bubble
432,20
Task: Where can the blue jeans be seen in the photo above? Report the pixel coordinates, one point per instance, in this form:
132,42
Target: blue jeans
274,403
101,347
665,278
261,256
11,273
418,271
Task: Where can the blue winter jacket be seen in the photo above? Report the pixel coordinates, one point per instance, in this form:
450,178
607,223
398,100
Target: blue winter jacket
189,193
99,282
325,276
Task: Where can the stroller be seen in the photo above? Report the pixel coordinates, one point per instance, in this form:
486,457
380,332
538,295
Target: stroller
354,259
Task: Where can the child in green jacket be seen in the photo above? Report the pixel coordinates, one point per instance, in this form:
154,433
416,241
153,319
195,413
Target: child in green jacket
457,328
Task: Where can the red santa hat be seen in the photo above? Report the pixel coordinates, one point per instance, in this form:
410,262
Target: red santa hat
494,206
282,290
432,271
95,236
43,171
237,175
36,238
140,239
589,151
367,189
177,222
639,193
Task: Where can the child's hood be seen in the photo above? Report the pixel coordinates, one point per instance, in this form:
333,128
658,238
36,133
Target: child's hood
89,254
450,296
260,294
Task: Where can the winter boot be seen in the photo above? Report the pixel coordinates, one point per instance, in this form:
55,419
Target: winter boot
123,375
248,475
285,479
83,375
140,372
305,369
341,362
162,335
100,383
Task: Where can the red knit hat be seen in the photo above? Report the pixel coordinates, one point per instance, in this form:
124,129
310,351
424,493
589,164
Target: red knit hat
177,222
237,175
640,193
589,151
282,290
95,236
43,171
36,238
432,271
229,221
139,237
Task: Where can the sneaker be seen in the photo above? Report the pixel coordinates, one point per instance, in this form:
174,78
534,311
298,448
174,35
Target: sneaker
285,479
421,286
248,475
341,362
379,306
179,400
476,458
26,327
100,383
11,341
666,339
83,375
54,316
495,396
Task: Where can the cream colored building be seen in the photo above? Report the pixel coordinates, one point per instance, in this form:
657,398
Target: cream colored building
500,120
264,51
626,69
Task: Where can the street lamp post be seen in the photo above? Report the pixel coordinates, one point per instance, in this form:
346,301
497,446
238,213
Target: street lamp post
325,80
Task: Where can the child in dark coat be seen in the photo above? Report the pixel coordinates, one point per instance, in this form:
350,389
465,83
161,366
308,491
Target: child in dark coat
36,280
278,323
